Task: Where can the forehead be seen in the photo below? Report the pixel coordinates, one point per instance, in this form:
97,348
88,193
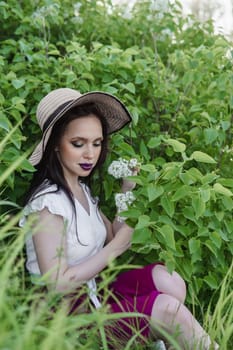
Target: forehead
87,125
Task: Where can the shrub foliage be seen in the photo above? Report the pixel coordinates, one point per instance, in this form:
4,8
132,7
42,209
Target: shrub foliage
175,76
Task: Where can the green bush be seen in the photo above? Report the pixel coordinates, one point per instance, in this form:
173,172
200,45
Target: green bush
175,76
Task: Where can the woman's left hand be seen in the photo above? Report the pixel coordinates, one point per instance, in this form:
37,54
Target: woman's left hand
128,185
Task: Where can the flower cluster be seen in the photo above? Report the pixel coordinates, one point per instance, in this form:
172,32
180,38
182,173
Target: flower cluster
122,167
123,200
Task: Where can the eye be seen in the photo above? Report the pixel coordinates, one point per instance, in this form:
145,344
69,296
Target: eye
77,144
97,144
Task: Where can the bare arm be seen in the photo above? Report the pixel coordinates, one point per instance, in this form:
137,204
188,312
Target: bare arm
112,228
51,253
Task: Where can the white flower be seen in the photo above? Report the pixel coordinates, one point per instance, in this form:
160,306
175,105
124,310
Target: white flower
133,163
123,200
122,168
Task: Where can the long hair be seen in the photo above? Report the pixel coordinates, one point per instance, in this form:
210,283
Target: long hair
49,170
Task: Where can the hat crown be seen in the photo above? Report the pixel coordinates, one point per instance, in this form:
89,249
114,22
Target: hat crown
52,101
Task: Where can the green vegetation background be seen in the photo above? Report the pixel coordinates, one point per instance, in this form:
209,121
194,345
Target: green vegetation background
175,76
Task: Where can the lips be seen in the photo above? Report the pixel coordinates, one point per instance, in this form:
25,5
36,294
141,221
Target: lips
86,166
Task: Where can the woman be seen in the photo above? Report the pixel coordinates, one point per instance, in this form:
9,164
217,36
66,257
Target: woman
72,239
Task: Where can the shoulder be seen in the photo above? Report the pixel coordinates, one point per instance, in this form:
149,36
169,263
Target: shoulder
49,193
52,198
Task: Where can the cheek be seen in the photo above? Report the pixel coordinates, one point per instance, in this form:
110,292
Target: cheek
68,152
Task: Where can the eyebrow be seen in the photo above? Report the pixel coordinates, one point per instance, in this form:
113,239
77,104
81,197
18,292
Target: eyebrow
85,139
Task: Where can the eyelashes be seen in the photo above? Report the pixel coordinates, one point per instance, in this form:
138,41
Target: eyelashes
79,145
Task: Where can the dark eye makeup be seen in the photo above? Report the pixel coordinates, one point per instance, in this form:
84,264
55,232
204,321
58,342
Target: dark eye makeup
80,144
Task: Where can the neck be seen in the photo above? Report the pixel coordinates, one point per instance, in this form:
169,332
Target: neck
74,185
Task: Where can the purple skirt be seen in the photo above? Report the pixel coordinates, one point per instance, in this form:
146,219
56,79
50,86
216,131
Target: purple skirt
131,291
134,291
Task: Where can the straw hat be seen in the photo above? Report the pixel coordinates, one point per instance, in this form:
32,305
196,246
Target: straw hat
56,103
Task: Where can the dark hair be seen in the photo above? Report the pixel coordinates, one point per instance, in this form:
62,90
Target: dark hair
49,168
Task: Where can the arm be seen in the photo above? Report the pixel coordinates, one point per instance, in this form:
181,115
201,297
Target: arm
112,228
49,241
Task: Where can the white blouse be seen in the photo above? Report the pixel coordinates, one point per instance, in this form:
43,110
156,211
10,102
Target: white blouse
89,227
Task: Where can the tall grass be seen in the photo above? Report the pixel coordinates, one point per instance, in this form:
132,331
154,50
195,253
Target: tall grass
220,322
28,322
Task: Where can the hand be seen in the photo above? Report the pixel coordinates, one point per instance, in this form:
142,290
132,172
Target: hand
128,185
123,236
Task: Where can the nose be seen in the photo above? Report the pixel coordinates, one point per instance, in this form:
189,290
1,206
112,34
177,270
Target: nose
89,152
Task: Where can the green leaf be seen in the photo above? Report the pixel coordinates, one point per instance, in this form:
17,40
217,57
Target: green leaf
216,239
54,52
206,116
16,100
228,203
70,76
26,165
188,77
170,171
208,178
176,145
18,83
205,194
195,173
154,191
183,230
198,205
226,182
108,188
202,157
154,142
212,247
135,115
128,149
195,108
143,221
211,281
210,135
4,122
2,99
168,235
144,150
130,87
131,51
141,235
183,191
225,124
218,188
188,212
148,168
169,260
87,76
187,178
219,215
165,219
195,249
167,205
133,213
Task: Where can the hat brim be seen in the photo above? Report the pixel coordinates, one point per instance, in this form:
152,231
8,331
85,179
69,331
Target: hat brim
109,107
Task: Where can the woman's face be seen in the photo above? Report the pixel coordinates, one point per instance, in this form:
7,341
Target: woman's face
80,146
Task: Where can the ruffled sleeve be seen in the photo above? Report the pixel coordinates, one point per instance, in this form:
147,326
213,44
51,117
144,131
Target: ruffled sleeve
56,203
